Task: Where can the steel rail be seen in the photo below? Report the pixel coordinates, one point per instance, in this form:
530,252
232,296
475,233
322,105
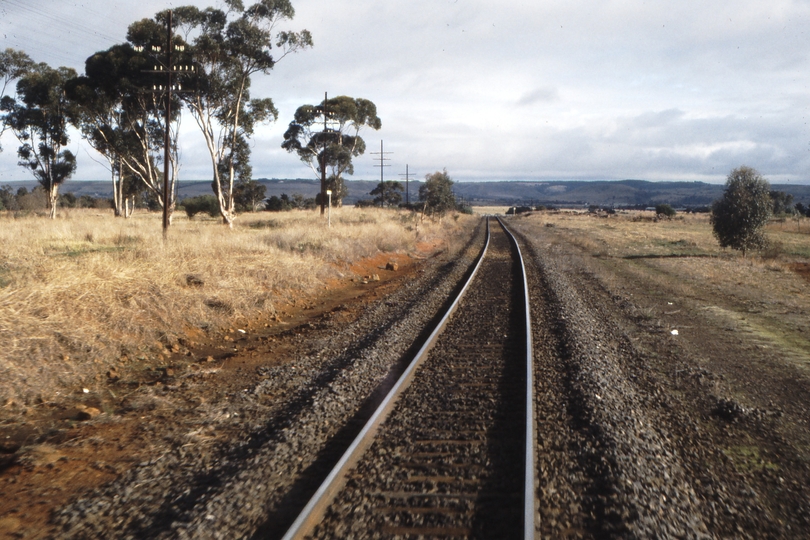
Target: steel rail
529,498
320,500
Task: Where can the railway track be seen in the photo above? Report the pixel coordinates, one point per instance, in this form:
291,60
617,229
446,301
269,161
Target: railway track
449,453
622,447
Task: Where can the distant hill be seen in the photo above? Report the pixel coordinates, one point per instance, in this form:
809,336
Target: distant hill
501,193
604,193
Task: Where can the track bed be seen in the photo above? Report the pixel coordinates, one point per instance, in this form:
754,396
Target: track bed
448,461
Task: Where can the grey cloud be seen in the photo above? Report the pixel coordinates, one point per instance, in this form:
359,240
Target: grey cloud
539,95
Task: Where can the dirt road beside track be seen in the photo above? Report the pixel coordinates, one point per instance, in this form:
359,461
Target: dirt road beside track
660,412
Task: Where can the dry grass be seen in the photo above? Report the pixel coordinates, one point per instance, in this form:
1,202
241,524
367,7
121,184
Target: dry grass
88,291
681,259
490,210
629,235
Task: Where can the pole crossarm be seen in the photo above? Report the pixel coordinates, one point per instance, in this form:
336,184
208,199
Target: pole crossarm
382,159
168,69
407,176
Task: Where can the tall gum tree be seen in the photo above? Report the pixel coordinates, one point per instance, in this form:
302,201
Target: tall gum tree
124,121
328,136
229,48
39,118
146,125
13,65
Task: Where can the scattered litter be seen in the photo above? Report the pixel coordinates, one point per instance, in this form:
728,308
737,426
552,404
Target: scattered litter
85,390
669,303
241,331
674,332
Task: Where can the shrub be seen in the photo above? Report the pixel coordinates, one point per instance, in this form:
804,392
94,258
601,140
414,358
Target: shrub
738,218
201,203
278,204
665,210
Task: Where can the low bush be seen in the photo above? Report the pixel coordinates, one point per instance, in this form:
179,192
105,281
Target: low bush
202,203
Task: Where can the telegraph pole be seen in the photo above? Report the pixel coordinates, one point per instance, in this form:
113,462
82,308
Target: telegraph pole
324,137
167,70
407,186
323,158
166,135
383,159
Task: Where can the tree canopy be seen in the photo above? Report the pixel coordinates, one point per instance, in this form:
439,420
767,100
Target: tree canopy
327,137
388,193
739,216
123,121
13,65
437,193
39,118
229,48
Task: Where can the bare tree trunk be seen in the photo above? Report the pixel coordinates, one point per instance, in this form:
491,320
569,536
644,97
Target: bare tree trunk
53,199
117,192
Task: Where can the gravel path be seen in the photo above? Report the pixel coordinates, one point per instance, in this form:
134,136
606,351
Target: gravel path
636,438
606,467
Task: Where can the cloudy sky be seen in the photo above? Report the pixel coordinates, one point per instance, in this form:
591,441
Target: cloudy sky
513,89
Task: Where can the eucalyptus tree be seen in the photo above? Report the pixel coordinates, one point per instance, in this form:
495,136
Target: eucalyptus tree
121,113
327,137
437,193
388,193
39,117
229,48
13,65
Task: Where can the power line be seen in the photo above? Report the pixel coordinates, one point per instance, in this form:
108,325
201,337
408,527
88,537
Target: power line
41,14
77,39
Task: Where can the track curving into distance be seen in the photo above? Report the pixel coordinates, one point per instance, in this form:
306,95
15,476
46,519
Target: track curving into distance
448,453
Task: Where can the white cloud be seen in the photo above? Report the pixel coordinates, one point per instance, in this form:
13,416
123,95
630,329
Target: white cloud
573,89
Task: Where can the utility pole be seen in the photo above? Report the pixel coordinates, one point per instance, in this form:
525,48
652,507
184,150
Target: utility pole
167,70
383,159
166,134
407,186
323,158
324,138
